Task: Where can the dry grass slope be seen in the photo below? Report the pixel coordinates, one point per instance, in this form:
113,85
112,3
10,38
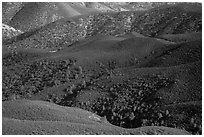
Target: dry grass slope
13,123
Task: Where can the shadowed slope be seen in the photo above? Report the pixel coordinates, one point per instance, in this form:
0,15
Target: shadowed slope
176,54
187,80
179,38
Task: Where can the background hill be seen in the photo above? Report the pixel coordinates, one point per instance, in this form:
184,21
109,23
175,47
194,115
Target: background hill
29,15
159,21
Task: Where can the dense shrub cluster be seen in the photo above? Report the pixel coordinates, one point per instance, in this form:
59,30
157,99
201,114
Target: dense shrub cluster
110,23
132,103
32,78
167,21
14,58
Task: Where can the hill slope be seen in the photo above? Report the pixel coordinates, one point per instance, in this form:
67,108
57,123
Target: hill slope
34,14
9,32
116,70
132,69
77,123
152,23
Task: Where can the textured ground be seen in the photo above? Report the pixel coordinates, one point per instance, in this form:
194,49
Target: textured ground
181,18
38,117
104,73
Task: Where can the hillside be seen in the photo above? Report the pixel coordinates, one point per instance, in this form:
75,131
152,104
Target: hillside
34,15
9,32
180,38
95,70
32,118
25,16
65,32
97,67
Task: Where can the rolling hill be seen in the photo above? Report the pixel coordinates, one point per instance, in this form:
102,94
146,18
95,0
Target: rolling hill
29,15
95,72
64,32
35,14
98,66
32,118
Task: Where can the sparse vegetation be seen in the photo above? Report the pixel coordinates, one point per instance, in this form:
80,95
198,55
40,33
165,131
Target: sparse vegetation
62,33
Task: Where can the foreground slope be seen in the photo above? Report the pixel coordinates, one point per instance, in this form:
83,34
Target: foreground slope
80,122
148,94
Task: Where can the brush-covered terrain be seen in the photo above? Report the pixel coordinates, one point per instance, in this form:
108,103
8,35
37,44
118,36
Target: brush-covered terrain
128,72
